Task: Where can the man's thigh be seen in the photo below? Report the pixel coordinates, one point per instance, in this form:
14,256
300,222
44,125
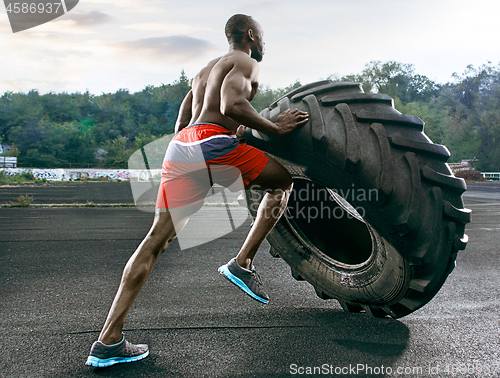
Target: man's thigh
274,176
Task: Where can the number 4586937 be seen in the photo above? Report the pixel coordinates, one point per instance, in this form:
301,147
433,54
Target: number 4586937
33,8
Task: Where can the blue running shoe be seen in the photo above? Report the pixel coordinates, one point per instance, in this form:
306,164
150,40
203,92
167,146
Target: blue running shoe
246,280
102,355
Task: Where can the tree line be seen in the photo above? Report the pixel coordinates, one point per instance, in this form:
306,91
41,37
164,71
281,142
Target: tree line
82,129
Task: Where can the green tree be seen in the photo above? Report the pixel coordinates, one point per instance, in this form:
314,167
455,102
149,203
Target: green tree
58,129
118,153
476,114
14,151
394,79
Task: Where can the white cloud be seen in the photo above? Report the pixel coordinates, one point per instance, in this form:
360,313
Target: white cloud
87,19
177,49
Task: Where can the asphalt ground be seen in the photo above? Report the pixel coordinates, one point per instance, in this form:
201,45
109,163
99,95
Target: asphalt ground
60,268
95,192
79,192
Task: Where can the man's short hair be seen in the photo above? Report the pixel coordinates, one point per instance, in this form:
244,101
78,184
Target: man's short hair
237,26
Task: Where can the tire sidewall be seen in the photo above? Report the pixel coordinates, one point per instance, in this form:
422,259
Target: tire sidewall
380,280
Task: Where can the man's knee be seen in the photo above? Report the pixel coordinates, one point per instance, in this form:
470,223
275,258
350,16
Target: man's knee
287,180
161,238
166,244
162,232
282,176
167,224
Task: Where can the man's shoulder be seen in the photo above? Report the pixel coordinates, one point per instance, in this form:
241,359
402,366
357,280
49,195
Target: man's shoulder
243,63
232,61
239,58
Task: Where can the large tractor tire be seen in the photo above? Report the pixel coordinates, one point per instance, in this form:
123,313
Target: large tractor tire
376,218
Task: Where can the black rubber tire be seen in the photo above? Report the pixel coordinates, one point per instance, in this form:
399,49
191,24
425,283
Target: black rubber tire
391,256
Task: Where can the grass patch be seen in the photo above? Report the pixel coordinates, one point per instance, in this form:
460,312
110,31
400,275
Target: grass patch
19,178
22,201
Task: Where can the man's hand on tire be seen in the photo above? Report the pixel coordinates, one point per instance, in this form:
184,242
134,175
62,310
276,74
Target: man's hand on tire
289,120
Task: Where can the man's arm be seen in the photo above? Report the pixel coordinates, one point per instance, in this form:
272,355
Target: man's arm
235,91
185,113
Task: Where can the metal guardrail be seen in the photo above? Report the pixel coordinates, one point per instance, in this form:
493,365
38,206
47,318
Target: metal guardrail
8,162
493,176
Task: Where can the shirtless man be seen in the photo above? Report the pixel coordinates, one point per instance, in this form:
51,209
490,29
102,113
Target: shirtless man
209,118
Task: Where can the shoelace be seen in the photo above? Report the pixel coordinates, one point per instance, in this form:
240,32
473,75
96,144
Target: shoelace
257,277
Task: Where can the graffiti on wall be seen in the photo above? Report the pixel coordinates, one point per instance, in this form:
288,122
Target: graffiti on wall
85,174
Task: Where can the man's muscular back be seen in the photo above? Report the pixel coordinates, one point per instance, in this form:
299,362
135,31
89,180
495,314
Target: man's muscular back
231,78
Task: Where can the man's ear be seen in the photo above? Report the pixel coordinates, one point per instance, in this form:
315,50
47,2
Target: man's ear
250,35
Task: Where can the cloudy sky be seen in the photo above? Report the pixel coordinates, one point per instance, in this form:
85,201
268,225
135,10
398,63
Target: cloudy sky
105,45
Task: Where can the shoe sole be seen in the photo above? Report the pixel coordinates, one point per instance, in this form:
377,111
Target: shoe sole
105,362
239,283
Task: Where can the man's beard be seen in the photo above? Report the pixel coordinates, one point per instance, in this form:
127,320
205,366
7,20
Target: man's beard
257,55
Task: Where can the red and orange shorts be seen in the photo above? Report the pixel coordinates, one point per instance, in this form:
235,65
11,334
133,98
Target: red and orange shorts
201,155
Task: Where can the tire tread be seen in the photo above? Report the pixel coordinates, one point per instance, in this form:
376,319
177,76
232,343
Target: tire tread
397,150
437,150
